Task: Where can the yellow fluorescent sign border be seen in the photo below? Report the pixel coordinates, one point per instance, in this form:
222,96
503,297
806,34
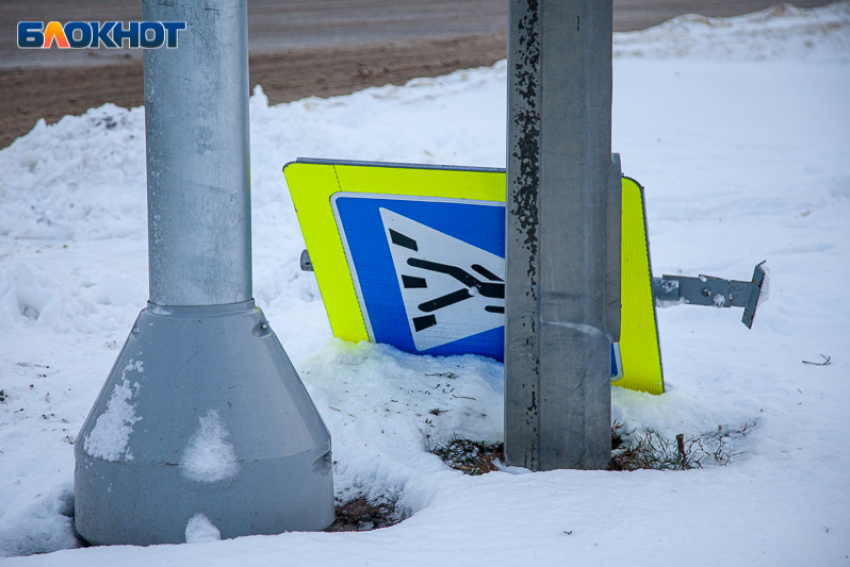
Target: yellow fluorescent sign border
313,183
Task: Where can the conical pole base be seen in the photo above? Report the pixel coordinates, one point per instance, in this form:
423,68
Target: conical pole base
202,415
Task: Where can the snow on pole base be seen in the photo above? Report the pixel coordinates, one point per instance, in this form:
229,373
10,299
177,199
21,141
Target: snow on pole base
202,413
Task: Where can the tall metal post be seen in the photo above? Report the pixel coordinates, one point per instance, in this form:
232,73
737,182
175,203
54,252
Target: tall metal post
196,122
563,230
203,422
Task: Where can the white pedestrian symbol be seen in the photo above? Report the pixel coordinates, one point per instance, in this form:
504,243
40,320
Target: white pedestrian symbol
451,289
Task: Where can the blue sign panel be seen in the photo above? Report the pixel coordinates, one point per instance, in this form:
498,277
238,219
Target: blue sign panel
429,272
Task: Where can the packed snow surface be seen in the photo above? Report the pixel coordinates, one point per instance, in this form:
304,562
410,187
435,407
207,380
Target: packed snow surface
209,457
738,128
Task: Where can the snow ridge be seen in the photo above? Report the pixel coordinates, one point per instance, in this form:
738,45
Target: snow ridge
780,32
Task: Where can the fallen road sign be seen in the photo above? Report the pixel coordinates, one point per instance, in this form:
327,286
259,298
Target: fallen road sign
413,256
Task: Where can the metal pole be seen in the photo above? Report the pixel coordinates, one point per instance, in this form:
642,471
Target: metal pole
562,294
196,118
203,419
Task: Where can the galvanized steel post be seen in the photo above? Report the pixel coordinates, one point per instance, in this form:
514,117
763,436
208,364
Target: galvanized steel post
196,119
203,423
563,229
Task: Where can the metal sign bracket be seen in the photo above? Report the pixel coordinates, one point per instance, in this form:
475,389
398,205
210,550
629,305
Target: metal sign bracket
711,291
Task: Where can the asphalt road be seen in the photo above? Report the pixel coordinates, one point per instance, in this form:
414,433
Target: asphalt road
298,48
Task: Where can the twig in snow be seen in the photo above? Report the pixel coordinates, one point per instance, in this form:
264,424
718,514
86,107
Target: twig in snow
827,360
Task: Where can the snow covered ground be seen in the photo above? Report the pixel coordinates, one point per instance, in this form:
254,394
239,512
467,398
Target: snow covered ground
739,129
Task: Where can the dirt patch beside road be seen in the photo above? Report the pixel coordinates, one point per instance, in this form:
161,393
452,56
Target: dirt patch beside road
338,70
53,92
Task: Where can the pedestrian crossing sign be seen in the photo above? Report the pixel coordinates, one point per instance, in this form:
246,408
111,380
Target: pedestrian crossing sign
414,256
411,298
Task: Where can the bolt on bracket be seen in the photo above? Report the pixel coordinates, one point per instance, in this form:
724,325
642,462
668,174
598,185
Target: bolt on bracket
306,264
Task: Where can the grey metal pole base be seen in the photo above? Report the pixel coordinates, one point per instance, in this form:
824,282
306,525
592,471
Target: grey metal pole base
203,413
